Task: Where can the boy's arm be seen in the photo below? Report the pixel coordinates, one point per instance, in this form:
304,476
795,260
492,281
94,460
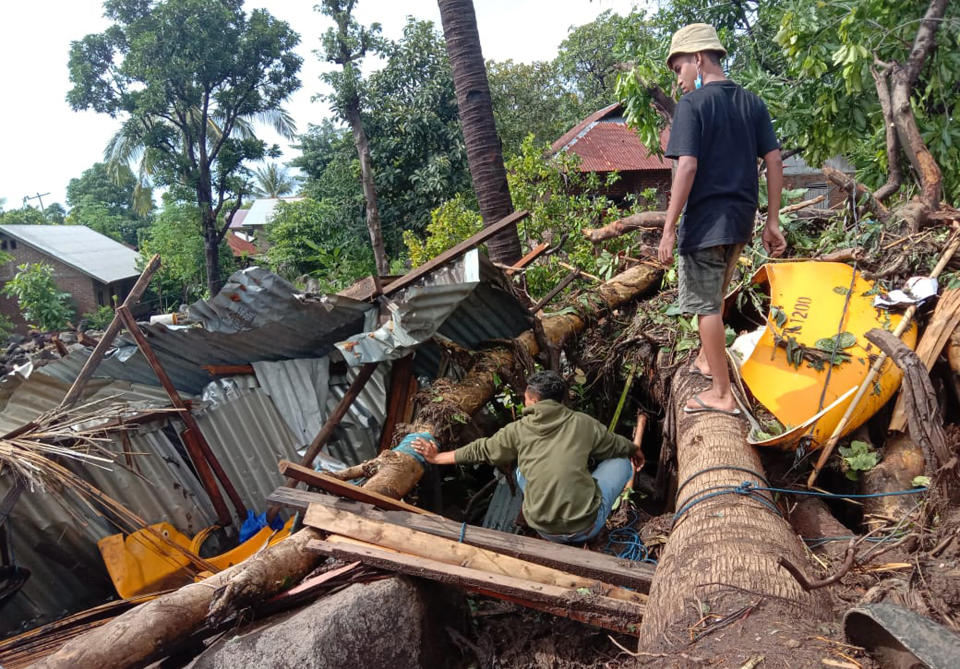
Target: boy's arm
679,192
773,239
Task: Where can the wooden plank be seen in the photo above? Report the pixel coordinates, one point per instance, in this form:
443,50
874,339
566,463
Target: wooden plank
228,370
344,489
455,252
426,545
534,253
566,281
945,319
606,568
521,590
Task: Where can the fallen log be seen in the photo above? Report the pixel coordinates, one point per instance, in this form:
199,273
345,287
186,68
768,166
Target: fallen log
724,547
394,473
152,630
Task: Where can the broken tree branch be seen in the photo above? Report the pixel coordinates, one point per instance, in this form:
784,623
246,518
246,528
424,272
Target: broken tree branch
809,585
861,193
894,173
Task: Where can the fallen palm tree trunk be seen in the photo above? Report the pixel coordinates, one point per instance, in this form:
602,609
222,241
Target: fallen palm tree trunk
724,546
394,473
153,629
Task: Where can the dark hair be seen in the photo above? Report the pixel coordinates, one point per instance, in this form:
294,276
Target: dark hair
714,56
547,385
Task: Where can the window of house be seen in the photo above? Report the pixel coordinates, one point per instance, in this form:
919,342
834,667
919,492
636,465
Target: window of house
100,299
3,245
13,243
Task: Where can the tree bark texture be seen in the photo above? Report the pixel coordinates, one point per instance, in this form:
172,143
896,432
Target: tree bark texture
902,461
621,226
726,547
894,173
484,151
395,473
211,253
151,630
352,112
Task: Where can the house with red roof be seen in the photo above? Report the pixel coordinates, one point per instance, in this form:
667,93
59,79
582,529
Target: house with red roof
605,143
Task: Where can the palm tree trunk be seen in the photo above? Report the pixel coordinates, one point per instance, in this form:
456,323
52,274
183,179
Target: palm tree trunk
484,151
723,551
352,112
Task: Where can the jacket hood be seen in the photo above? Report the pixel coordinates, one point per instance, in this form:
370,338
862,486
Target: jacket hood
548,416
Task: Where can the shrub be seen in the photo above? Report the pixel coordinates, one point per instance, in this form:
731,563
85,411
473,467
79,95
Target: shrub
42,303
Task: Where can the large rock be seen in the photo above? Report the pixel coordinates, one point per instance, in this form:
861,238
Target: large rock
395,622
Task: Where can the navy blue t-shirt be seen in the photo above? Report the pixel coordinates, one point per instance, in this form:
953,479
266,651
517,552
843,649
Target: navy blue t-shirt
726,128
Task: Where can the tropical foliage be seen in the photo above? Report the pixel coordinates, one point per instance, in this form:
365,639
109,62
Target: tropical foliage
42,304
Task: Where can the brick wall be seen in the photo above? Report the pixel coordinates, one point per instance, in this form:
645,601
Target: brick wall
83,289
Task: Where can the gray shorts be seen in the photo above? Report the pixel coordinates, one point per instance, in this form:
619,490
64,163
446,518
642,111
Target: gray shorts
704,276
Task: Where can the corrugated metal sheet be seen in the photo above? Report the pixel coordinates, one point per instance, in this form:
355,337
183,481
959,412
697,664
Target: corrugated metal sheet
82,248
504,507
42,392
358,435
299,389
257,316
248,437
55,536
466,301
605,143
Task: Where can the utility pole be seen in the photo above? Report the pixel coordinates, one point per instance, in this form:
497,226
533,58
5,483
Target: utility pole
38,197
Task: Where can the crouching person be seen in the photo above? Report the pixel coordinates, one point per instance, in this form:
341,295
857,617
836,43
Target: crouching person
562,499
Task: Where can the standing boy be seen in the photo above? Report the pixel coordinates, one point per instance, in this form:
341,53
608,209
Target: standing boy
719,130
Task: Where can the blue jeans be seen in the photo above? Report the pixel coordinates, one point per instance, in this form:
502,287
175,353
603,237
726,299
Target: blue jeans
611,476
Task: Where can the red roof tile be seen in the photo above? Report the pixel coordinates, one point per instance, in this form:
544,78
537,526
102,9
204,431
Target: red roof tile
605,143
241,247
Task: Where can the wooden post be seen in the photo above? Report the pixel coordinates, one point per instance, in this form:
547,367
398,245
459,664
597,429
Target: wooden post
401,374
203,458
90,366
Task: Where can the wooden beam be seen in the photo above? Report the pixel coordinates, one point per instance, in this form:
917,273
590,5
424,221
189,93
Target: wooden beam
603,567
91,364
334,486
449,551
534,253
456,251
518,589
203,458
228,370
566,281
401,375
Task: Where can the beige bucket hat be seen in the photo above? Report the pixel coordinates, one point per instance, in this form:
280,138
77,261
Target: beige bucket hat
694,38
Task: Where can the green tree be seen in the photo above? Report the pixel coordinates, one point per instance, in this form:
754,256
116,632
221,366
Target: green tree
42,303
177,234
347,45
25,216
530,98
104,200
306,239
189,77
273,180
55,214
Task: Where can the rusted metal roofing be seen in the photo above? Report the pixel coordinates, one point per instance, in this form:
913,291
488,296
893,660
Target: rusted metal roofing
605,143
241,247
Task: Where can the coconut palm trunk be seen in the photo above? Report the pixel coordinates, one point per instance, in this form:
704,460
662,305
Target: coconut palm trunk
484,151
722,552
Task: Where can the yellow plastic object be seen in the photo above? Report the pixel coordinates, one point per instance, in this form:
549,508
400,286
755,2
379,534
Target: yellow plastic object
141,563
806,304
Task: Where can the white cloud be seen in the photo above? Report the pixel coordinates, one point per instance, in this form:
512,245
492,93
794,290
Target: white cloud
45,144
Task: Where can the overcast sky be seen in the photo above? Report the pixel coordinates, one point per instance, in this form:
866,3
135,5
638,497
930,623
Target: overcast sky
45,143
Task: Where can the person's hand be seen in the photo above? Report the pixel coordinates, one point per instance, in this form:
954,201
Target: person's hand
426,448
665,250
773,240
638,459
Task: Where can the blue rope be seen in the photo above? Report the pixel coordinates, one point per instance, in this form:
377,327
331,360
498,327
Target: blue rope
625,543
750,489
463,532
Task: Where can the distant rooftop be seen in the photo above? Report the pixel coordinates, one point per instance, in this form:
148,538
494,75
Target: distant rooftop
84,249
261,211
605,143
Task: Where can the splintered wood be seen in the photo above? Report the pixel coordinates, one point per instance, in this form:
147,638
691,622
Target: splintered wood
394,547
